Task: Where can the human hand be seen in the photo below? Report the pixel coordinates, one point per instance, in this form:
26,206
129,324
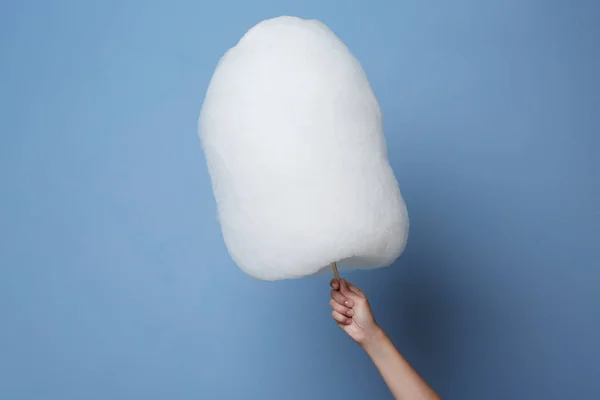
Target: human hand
352,312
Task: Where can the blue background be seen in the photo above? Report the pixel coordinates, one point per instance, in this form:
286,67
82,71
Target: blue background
115,282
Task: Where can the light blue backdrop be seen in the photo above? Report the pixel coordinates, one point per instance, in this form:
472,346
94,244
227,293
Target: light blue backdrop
115,283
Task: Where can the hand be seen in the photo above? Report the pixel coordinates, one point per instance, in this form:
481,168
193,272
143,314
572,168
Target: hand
352,312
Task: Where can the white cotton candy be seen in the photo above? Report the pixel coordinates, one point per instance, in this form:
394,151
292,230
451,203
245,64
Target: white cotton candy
293,138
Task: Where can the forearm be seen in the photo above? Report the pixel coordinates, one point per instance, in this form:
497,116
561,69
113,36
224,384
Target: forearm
402,380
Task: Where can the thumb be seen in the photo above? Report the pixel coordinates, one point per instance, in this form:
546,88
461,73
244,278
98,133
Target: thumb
346,291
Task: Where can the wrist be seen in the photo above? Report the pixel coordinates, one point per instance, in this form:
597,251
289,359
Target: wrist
373,339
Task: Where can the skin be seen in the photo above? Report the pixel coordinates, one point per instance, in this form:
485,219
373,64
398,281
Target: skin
352,313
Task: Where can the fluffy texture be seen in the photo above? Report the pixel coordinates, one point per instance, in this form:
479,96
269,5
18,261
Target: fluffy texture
293,138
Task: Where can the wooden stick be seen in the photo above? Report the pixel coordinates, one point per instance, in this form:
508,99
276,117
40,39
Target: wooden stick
336,273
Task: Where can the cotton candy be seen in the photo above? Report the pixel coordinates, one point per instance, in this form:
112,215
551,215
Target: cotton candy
293,139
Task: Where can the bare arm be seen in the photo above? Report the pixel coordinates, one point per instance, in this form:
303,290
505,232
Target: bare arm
352,312
402,380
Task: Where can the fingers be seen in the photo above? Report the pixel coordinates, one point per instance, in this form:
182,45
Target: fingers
341,305
347,290
340,308
341,319
341,299
335,284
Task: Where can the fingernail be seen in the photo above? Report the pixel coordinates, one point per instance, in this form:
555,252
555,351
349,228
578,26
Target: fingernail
351,312
348,303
